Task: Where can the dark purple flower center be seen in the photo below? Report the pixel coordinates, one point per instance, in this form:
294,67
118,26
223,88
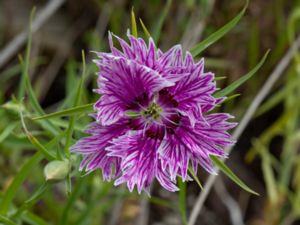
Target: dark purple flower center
157,114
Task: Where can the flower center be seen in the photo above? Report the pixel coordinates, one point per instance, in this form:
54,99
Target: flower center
153,111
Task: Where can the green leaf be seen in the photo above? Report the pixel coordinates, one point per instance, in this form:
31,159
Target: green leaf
220,78
67,112
147,33
7,131
269,178
33,219
161,202
27,58
78,189
32,200
6,220
229,98
242,80
133,24
77,99
18,180
218,34
195,178
221,165
276,98
160,22
35,142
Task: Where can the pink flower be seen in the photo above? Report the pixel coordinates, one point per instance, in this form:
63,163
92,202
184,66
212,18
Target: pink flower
153,118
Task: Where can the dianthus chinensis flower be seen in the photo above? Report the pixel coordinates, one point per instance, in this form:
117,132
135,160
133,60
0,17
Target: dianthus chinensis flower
152,119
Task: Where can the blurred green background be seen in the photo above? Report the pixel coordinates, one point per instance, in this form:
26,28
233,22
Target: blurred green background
266,156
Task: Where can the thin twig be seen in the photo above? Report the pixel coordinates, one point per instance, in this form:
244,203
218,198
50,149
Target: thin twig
277,72
12,48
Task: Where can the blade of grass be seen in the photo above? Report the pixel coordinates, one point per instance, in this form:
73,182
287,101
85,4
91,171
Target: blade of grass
146,32
267,172
27,57
242,80
35,142
69,131
32,200
133,24
88,108
18,180
7,131
276,98
220,78
160,22
77,99
218,34
221,165
71,76
229,98
195,178
79,187
6,220
33,219
161,202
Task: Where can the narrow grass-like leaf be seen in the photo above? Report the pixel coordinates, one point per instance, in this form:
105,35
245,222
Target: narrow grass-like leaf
229,98
161,202
32,200
269,177
160,22
72,199
221,165
7,131
195,178
35,142
18,180
147,33
242,80
133,24
218,34
276,98
220,78
34,102
88,108
69,131
27,58
33,219
276,128
6,220
182,201
71,77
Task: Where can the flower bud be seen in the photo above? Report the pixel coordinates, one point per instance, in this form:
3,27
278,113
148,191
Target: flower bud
56,170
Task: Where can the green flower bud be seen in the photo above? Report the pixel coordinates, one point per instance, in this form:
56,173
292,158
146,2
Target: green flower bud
57,170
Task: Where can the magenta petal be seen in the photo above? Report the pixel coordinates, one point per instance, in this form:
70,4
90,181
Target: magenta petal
122,81
93,148
140,162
